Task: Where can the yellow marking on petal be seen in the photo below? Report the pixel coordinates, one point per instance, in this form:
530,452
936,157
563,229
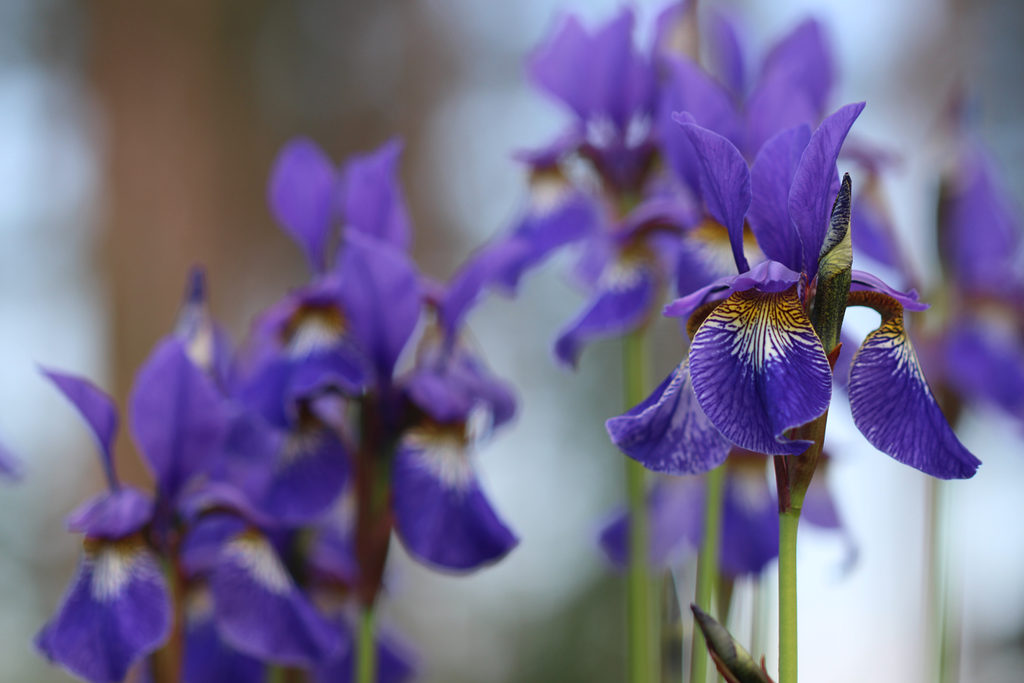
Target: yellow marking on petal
253,553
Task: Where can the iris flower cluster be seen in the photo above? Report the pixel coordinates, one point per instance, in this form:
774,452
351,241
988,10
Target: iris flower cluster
282,468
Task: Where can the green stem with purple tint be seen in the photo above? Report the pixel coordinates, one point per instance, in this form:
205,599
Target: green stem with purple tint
707,567
366,649
640,641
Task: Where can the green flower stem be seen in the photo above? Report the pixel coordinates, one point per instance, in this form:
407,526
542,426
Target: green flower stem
640,641
707,566
366,653
788,523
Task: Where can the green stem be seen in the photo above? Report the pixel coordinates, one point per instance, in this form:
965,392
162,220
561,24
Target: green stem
788,523
366,654
707,567
640,643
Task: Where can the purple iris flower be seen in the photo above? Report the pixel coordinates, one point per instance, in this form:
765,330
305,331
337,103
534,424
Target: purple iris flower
441,513
117,608
757,367
750,518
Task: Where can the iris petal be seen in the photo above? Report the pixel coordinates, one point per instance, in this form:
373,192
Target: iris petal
759,369
116,610
669,432
441,514
892,404
299,193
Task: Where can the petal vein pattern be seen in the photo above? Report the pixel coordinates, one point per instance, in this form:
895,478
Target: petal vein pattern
759,369
892,404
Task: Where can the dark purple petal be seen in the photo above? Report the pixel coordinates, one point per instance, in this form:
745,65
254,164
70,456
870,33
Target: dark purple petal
441,515
598,75
116,611
310,473
803,57
301,186
866,282
97,409
260,611
984,360
622,302
771,177
767,276
396,662
724,182
689,89
669,432
812,194
372,199
759,369
727,52
201,546
775,105
207,658
894,408
381,291
448,384
675,513
333,554
112,515
979,229
178,417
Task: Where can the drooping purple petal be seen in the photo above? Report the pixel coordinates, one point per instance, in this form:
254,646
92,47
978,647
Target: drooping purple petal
689,89
207,658
811,196
260,611
866,282
893,406
178,417
724,182
300,190
441,515
984,359
758,369
771,177
979,231
675,513
97,409
381,290
116,611
803,57
622,302
668,432
767,276
372,199
112,515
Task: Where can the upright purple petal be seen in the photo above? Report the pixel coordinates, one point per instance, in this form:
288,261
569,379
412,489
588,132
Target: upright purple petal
803,57
724,182
98,410
299,193
771,177
775,105
727,52
260,611
441,515
372,199
893,406
622,302
759,370
116,610
381,291
178,417
689,89
812,194
979,231
112,515
668,432
873,232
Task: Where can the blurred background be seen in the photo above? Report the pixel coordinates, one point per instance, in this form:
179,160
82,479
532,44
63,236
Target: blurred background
136,139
